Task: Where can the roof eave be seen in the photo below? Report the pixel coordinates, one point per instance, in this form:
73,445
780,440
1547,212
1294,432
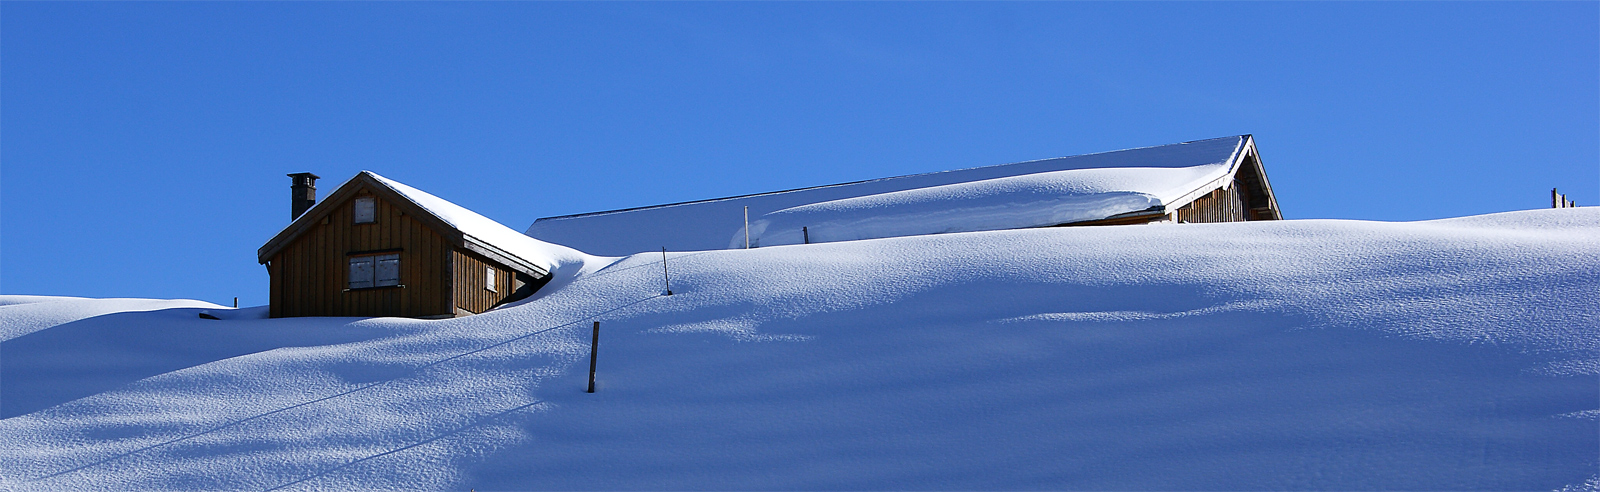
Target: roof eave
1240,152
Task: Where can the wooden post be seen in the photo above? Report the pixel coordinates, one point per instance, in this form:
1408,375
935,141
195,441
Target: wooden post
236,302
806,234
594,348
664,275
1554,197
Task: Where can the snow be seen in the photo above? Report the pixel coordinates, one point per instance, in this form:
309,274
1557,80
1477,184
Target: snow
1032,200
27,314
1326,354
961,200
545,255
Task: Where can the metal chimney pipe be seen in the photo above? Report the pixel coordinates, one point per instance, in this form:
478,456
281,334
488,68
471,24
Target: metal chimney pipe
302,194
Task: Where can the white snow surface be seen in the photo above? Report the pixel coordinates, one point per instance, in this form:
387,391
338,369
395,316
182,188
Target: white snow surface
950,201
26,314
1032,200
1328,354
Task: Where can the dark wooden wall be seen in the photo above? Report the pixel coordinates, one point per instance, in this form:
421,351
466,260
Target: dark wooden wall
1254,191
310,274
469,283
1221,205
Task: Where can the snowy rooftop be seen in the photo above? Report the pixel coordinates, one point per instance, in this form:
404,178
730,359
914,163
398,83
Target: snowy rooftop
475,227
1026,194
482,228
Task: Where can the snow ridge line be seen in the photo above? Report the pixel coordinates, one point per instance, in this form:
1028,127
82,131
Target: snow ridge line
410,372
606,270
602,272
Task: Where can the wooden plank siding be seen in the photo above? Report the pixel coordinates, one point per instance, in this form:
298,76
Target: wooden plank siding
275,286
310,275
470,285
1221,205
1254,192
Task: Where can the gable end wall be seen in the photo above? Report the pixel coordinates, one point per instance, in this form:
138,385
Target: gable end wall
310,274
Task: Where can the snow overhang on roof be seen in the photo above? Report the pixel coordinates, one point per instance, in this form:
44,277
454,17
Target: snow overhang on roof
465,228
1064,190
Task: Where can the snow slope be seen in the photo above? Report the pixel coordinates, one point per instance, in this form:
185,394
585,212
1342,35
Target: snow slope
27,314
1451,354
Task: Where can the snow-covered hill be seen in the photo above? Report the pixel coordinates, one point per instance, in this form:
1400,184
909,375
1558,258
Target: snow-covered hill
1451,354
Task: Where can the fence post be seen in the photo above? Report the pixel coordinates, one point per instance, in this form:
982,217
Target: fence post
594,347
664,275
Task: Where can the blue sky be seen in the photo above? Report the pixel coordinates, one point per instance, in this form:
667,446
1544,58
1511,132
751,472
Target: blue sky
143,146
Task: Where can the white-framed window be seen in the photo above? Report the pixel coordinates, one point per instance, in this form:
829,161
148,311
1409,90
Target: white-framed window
488,275
366,210
374,271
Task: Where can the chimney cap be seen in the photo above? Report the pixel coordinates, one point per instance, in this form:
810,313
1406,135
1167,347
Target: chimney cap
312,176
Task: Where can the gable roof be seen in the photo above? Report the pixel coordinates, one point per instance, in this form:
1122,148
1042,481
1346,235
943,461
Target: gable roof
1149,180
462,227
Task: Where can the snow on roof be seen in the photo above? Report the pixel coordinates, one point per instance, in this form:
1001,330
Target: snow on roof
1031,200
1026,194
483,229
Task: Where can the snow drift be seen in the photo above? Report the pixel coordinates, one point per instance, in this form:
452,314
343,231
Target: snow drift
1015,202
1450,354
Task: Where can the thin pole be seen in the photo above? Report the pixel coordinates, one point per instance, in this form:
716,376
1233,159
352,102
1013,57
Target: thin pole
746,227
594,348
664,275
805,234
236,302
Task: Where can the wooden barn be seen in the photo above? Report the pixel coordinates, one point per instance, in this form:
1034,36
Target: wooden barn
1213,180
376,247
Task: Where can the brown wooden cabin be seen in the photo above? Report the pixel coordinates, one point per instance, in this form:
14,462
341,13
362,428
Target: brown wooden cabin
369,250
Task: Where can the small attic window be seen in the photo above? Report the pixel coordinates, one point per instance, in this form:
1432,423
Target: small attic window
366,209
488,275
